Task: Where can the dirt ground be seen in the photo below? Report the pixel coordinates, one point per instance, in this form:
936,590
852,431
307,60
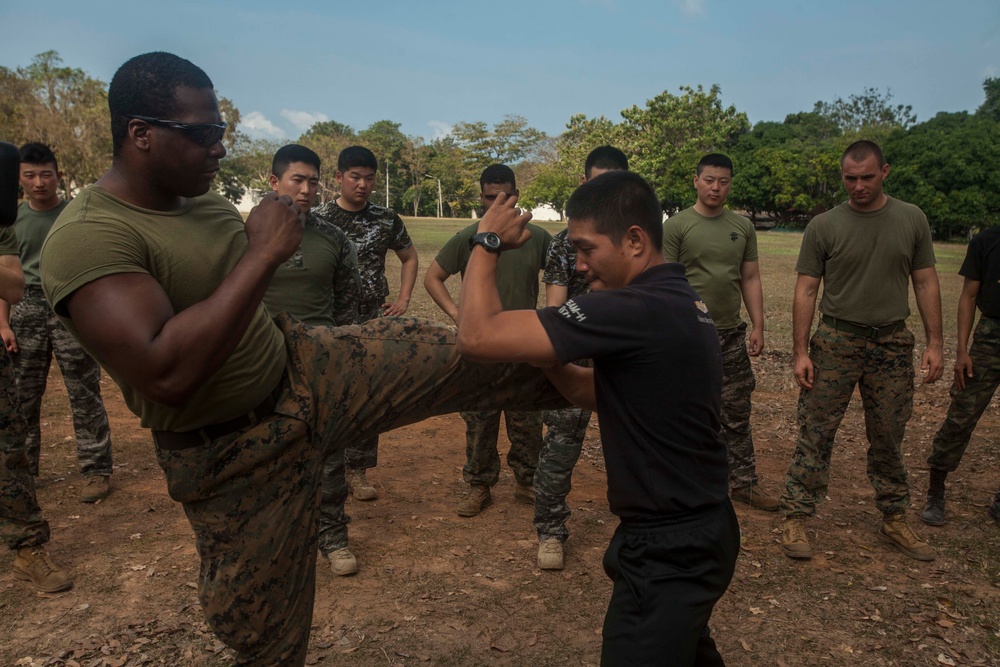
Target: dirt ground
441,590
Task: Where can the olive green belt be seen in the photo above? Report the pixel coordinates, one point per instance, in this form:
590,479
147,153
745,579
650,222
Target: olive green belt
862,330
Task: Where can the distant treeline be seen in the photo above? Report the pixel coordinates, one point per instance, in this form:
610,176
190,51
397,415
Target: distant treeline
786,171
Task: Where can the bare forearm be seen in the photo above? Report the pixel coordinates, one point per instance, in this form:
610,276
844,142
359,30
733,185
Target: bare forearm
555,295
167,356
753,297
479,298
966,318
11,279
575,383
408,276
803,308
928,297
441,296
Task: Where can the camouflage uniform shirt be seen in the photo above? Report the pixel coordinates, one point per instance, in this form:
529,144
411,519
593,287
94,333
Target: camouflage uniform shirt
560,267
375,230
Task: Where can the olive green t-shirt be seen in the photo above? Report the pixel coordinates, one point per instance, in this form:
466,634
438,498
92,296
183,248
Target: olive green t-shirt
26,237
517,270
189,252
319,284
865,260
712,250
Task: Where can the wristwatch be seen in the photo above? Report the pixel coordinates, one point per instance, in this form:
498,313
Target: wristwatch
488,240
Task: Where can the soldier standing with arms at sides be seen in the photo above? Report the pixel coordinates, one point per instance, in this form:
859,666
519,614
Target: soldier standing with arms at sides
34,334
719,250
865,252
22,527
977,369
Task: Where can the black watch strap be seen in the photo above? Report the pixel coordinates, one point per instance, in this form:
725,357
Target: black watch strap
488,240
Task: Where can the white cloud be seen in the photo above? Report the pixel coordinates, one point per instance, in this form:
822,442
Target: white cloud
439,129
259,124
303,120
691,7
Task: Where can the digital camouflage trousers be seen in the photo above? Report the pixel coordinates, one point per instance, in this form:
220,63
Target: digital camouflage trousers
253,497
738,383
482,460
883,370
21,522
39,337
561,447
969,404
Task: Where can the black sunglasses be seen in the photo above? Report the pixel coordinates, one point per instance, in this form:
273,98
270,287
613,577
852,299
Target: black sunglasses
203,134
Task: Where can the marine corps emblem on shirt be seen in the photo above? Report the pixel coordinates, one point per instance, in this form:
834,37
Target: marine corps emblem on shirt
733,236
706,318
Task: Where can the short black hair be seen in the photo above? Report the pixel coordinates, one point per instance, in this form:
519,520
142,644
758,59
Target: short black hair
293,153
36,153
146,85
356,156
497,174
616,200
861,150
605,157
715,160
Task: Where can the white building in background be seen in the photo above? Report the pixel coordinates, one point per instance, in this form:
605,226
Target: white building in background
546,213
249,199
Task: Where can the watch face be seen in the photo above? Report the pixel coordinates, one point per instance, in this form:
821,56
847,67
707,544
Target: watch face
489,240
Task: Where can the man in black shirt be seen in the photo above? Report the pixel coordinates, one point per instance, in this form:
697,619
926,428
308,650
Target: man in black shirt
977,369
655,385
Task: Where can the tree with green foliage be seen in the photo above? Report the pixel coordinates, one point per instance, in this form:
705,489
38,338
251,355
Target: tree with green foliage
507,142
948,167
327,138
664,137
63,108
557,177
871,110
459,176
788,171
990,108
388,143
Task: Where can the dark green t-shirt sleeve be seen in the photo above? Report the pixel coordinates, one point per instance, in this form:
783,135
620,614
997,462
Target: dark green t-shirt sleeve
74,255
454,256
811,257
923,251
8,241
750,253
672,241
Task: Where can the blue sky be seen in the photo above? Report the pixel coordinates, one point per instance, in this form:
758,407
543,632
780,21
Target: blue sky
428,65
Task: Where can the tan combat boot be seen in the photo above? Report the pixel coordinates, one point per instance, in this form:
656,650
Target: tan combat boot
343,562
897,532
794,541
755,497
95,487
550,554
475,501
359,485
33,564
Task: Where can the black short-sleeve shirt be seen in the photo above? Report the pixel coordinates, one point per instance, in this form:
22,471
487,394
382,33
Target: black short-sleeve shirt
658,378
982,263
